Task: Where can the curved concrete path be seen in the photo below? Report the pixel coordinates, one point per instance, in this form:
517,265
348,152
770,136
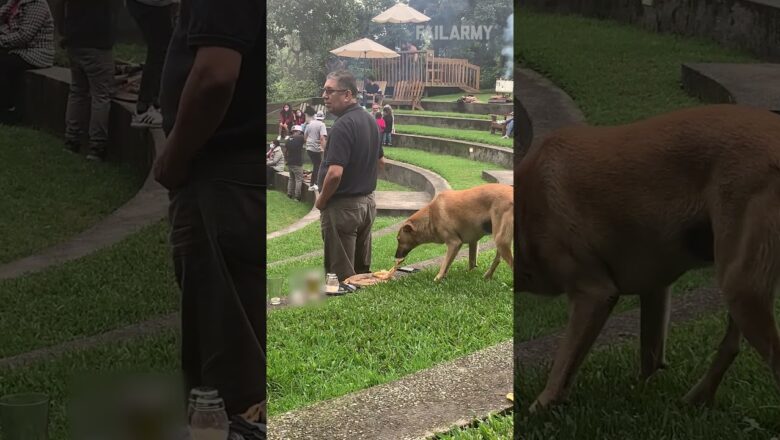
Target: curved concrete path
756,85
548,106
149,205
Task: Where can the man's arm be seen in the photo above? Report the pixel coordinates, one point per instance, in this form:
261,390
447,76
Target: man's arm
329,186
205,99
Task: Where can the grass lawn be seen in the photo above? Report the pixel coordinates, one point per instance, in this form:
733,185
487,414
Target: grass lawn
494,428
483,96
282,211
643,77
308,239
441,114
49,195
386,185
382,257
383,333
117,286
461,173
608,401
55,377
481,136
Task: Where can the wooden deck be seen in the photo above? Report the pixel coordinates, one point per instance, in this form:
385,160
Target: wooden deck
432,71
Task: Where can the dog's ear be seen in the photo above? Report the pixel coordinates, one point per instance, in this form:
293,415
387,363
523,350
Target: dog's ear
408,228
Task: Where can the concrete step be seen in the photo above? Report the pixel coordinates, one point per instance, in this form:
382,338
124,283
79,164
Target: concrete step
400,203
499,176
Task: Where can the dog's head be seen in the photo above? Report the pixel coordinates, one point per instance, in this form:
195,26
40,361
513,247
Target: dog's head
407,240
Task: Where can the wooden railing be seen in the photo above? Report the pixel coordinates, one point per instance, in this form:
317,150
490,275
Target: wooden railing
424,66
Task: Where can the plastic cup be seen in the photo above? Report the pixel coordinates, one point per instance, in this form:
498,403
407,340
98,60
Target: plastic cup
274,286
24,416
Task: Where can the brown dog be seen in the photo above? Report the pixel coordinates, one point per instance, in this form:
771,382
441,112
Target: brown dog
464,216
627,210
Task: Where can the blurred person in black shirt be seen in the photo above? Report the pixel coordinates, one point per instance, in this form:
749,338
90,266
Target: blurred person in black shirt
213,165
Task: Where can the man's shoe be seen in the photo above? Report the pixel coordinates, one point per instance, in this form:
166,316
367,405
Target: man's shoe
151,118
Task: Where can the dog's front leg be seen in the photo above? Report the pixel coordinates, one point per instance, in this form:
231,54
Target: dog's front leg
452,250
473,249
654,310
588,313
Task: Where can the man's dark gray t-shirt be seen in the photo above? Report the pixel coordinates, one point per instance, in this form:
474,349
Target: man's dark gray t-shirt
354,143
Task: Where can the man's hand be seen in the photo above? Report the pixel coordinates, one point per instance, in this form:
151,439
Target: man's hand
329,185
169,171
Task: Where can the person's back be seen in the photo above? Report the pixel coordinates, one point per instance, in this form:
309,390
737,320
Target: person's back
314,130
294,147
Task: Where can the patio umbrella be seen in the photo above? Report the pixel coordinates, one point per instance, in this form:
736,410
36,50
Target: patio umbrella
364,48
401,13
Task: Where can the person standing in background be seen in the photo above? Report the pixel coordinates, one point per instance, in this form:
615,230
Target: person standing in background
88,31
316,136
155,19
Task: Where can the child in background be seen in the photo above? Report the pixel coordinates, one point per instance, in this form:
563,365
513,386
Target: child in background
381,123
387,115
300,118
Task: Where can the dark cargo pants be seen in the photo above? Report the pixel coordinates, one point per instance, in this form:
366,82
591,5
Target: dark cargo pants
217,224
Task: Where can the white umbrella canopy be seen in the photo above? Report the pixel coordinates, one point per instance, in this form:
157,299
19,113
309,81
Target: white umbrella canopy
364,48
401,13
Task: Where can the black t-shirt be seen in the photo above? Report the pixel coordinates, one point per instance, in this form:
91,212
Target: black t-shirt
388,123
233,24
89,24
295,150
354,143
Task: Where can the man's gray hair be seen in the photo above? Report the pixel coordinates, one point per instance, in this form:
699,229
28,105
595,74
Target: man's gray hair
345,80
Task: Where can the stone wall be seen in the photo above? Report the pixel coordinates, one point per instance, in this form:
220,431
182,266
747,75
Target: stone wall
752,25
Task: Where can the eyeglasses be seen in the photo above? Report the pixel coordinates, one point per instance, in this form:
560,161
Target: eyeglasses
329,92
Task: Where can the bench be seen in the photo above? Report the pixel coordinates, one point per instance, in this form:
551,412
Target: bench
500,126
316,107
407,93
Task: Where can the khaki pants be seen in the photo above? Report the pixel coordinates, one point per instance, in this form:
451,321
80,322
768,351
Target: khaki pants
346,231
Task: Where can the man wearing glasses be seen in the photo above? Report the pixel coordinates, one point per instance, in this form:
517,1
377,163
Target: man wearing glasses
347,179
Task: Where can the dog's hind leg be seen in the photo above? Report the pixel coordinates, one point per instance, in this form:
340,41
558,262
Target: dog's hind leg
473,249
748,269
452,250
589,310
654,309
493,265
703,393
